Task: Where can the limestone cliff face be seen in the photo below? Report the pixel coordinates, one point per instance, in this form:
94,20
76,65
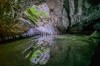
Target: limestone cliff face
82,12
58,15
66,13
13,21
63,14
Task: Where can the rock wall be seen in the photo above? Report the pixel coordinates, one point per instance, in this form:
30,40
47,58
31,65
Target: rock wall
82,13
63,15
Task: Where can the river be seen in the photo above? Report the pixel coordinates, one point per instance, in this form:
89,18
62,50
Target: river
49,50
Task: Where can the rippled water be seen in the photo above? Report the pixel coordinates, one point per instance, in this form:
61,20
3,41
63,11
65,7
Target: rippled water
58,50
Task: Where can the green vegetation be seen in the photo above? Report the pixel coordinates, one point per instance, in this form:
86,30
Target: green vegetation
32,14
35,13
8,11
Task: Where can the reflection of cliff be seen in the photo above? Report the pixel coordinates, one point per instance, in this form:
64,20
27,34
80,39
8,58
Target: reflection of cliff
39,53
61,50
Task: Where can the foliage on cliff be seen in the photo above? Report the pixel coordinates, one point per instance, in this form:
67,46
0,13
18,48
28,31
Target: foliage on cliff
12,19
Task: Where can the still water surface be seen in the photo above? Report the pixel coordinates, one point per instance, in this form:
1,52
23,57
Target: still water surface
58,50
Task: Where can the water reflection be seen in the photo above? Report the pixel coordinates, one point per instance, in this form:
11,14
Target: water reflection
60,50
39,52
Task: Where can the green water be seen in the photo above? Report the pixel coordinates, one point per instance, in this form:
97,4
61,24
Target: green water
59,50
